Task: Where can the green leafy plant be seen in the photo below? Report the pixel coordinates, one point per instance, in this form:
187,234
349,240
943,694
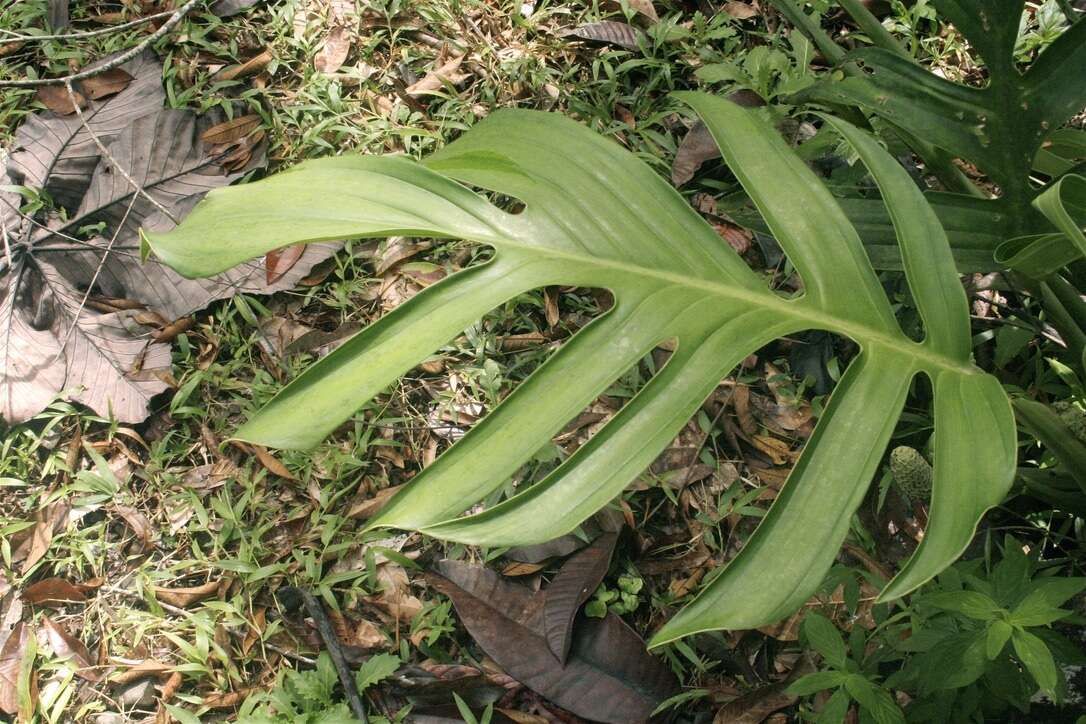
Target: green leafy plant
596,216
967,647
620,600
1010,129
983,640
309,697
852,676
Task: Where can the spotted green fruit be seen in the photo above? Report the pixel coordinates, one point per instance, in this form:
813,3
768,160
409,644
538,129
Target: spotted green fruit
1074,417
911,472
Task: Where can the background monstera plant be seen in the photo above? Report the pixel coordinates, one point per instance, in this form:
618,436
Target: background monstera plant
596,216
1010,129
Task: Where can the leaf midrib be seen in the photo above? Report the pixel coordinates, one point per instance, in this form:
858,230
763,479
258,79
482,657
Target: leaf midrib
799,308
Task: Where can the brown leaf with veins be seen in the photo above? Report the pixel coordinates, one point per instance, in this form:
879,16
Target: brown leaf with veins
12,656
54,337
66,646
609,676
333,52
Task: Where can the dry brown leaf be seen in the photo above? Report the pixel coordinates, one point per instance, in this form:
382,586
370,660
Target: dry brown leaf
528,340
279,262
396,595
645,7
516,568
66,646
227,700
371,506
333,52
272,464
250,67
139,524
142,670
50,521
232,130
106,84
741,402
55,590
550,306
438,77
742,11
778,451
12,654
57,99
184,597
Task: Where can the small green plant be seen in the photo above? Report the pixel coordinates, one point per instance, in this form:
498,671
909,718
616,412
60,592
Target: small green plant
851,675
310,697
968,647
620,600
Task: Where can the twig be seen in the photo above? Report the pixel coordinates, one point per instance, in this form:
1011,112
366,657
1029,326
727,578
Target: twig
13,36
105,152
124,57
331,642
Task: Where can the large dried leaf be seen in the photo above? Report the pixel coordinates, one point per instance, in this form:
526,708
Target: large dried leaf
12,654
608,31
609,676
574,584
54,336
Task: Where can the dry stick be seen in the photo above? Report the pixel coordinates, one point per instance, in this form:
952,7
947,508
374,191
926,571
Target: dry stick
13,36
121,59
331,641
109,157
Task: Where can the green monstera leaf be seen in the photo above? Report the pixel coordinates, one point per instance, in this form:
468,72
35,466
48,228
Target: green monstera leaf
596,216
1008,129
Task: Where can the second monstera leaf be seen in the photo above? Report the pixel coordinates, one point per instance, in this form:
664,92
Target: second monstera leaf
596,216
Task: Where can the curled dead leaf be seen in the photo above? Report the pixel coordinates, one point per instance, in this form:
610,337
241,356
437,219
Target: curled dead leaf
142,670
438,77
184,597
52,591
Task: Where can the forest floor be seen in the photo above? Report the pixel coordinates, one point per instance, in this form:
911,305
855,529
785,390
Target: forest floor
150,554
